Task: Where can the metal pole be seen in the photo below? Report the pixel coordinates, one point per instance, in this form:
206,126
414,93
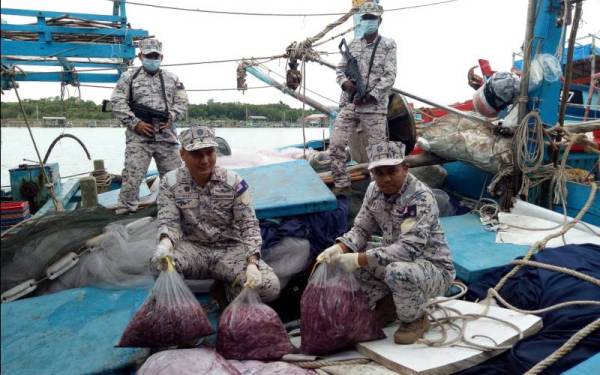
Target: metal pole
569,70
283,88
426,101
447,108
524,87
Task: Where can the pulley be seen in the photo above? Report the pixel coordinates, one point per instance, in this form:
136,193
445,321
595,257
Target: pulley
293,76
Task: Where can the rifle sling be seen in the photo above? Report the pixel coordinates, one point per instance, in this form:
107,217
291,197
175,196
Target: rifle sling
371,62
162,87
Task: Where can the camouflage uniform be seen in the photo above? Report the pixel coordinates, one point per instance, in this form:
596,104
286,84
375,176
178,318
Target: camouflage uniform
214,228
140,149
413,261
369,117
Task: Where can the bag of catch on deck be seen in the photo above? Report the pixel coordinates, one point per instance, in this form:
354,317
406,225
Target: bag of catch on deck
170,316
334,312
187,362
249,329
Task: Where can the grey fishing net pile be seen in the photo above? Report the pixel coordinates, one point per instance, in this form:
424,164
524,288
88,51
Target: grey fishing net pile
41,242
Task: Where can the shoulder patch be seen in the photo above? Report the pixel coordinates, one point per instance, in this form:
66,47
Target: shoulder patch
409,211
179,86
241,188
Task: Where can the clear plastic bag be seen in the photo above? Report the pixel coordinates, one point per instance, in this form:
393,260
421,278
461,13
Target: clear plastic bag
334,312
187,362
271,368
287,258
170,316
249,329
544,67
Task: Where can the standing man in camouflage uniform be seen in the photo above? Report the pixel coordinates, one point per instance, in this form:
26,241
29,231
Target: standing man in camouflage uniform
368,112
148,138
207,223
413,262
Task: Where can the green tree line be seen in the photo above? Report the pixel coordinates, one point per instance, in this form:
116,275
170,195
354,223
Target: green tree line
75,109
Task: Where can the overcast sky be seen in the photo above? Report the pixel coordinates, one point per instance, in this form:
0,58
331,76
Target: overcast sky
436,45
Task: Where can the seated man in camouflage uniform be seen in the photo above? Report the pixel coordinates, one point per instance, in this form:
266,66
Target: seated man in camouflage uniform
206,222
413,262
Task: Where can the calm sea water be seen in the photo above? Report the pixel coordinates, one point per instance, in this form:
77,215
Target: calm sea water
250,146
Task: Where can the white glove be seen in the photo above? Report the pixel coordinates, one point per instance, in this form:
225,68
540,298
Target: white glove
163,250
328,254
253,276
348,261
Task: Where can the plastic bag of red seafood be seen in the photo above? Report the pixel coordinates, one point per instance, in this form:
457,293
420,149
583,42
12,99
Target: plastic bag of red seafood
171,315
334,312
249,329
187,362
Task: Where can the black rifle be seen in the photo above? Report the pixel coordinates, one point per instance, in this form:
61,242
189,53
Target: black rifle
149,115
352,72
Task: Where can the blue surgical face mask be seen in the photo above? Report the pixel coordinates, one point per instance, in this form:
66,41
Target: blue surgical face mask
151,65
369,26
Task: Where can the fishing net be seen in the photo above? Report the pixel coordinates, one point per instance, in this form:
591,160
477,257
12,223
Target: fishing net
170,316
335,312
249,329
42,241
121,260
187,362
287,258
457,138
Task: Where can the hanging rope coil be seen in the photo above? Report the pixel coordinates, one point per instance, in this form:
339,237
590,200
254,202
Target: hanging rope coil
526,136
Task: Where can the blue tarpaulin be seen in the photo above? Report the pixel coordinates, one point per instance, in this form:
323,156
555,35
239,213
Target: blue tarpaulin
536,288
70,332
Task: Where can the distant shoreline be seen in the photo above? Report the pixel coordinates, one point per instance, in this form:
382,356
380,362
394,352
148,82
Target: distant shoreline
8,123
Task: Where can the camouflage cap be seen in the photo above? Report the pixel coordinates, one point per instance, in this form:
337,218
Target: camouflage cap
150,45
197,137
386,153
370,7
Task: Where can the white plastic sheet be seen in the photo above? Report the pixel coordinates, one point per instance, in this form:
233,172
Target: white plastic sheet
530,218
